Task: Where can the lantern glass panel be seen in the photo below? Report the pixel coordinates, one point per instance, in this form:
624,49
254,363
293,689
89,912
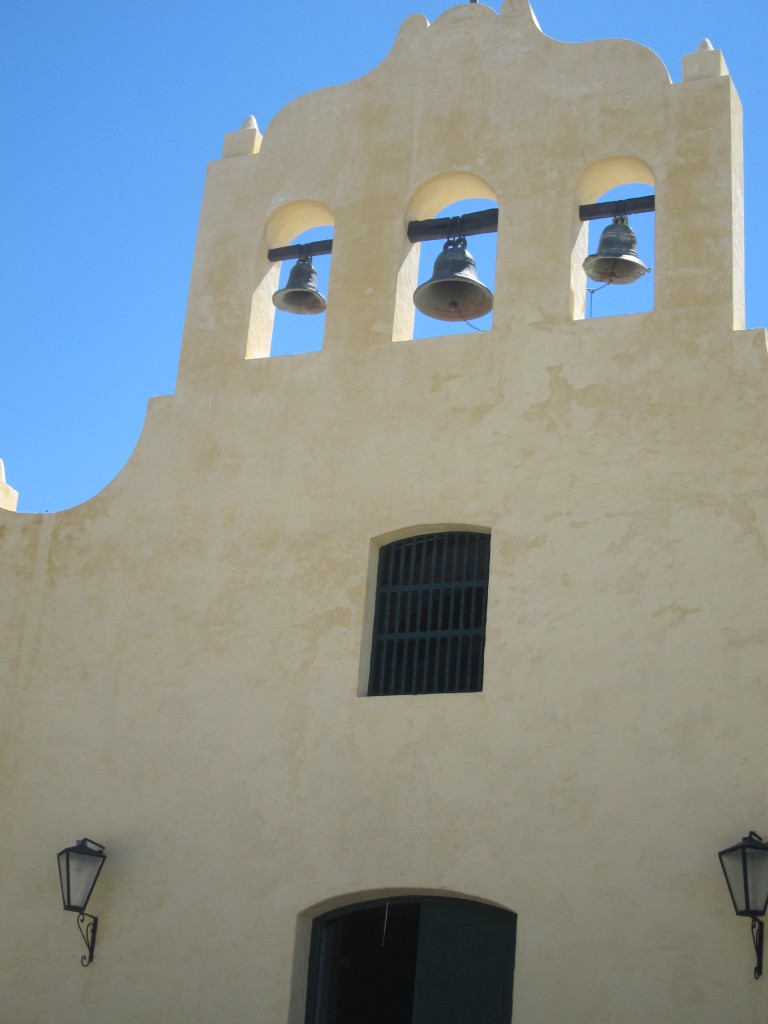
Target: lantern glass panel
733,866
757,873
78,871
62,859
746,871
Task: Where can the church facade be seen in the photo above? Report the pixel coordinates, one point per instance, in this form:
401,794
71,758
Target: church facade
416,679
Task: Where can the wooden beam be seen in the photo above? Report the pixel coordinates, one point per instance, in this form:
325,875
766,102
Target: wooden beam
617,208
483,222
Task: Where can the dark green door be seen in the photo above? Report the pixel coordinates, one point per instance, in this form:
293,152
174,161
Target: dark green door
464,964
412,960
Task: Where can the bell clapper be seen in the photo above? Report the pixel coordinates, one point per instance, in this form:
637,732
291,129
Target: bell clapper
454,308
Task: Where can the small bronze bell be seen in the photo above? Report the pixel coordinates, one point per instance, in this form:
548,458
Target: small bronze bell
454,292
300,295
616,260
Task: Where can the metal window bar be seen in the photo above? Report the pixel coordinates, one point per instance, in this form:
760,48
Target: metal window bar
429,625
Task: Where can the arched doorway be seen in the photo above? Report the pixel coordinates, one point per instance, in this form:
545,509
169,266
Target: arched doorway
412,960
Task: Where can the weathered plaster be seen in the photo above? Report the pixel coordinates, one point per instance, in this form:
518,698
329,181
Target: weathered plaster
182,654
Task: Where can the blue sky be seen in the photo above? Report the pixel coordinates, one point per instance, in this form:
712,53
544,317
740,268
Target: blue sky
111,113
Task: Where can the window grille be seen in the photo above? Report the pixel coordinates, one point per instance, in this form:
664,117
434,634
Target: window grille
429,625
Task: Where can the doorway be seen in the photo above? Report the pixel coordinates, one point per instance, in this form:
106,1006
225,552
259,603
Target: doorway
412,960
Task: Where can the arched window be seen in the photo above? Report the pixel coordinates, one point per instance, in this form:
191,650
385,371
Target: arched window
412,960
429,622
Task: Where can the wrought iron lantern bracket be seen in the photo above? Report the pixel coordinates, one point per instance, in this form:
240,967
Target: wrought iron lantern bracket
757,938
88,931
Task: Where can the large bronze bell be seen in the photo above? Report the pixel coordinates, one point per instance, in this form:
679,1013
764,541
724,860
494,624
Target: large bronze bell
300,295
616,260
454,291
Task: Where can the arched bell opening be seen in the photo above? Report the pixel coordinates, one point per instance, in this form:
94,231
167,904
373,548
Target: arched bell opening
612,261
445,285
291,299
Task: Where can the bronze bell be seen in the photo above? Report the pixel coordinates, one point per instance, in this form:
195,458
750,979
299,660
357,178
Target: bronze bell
454,291
616,260
300,295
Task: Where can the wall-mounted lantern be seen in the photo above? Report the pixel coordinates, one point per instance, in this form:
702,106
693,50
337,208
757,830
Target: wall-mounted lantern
745,867
79,867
